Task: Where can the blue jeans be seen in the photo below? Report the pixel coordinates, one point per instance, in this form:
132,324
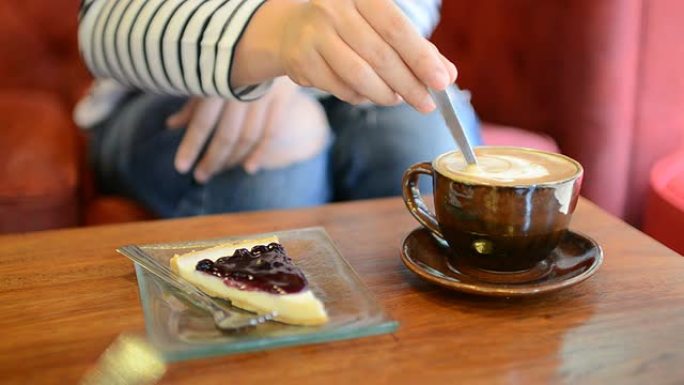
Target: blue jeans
133,154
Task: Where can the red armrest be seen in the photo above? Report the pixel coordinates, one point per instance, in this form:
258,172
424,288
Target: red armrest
38,163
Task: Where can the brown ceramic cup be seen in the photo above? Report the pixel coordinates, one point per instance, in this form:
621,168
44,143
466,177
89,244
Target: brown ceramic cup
500,228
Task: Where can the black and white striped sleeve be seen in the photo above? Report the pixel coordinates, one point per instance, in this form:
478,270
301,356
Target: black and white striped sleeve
183,47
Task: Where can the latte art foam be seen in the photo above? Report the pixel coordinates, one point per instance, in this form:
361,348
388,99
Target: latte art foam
508,166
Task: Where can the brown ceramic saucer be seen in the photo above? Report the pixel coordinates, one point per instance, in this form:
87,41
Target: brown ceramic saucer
577,258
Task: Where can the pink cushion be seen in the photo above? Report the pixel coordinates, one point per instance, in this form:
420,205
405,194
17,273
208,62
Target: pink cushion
674,190
664,217
495,135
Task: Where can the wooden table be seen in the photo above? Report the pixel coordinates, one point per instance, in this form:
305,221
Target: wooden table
65,295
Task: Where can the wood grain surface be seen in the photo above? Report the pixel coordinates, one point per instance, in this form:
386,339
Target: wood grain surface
65,296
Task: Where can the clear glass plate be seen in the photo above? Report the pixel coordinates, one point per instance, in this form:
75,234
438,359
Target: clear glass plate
181,331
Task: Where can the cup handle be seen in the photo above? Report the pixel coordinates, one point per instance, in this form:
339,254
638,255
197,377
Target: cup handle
414,200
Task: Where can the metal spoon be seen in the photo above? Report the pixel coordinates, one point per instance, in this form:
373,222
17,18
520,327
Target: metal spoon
445,106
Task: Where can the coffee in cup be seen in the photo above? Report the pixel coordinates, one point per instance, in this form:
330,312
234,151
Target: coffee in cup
507,213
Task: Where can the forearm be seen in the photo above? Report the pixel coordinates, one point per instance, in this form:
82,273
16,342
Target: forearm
168,46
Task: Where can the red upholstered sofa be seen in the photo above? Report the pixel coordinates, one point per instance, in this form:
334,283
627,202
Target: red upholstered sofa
604,79
44,181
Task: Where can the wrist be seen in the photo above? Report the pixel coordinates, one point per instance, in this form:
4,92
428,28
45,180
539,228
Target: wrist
257,55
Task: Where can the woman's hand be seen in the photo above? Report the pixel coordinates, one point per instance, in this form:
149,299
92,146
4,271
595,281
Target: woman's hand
283,127
354,49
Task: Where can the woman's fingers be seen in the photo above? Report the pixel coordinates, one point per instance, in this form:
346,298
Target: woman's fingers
223,141
327,80
370,47
385,61
451,67
182,117
420,55
251,132
253,161
356,72
204,119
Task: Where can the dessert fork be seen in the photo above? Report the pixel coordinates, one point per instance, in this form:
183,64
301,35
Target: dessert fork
225,318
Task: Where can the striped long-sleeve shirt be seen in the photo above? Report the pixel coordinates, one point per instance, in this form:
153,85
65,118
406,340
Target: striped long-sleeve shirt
182,47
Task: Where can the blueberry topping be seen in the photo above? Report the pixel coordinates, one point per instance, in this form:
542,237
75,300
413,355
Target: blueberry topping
205,265
264,268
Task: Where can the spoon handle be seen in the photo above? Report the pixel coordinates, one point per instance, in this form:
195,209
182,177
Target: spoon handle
443,102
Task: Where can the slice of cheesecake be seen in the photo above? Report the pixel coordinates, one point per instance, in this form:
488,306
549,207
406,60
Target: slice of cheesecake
255,275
